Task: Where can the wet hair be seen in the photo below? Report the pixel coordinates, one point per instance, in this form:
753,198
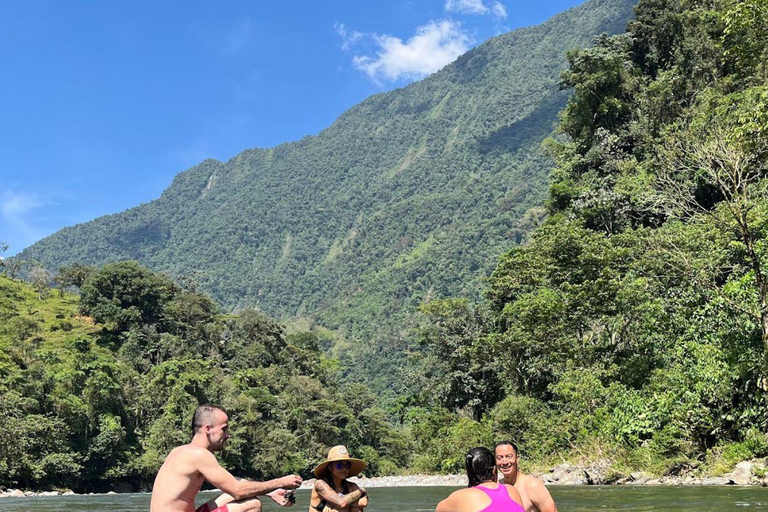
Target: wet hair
205,415
480,464
509,443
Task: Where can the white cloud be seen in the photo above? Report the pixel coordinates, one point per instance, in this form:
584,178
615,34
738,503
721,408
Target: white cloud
476,7
434,45
499,10
348,38
17,204
16,218
466,6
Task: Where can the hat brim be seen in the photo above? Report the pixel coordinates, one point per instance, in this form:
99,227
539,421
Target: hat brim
357,467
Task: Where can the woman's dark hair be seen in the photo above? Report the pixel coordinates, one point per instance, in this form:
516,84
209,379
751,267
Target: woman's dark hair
328,478
480,464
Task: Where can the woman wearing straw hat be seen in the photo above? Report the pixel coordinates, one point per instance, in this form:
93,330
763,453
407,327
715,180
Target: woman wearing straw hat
332,491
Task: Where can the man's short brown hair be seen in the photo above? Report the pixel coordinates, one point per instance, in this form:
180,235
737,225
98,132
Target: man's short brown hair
205,415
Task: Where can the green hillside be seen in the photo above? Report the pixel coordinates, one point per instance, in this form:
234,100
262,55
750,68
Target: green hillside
408,196
631,329
95,389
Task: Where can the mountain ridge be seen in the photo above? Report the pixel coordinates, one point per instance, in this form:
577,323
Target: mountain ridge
411,194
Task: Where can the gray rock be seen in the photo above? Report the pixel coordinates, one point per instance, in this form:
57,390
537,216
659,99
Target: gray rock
640,477
576,477
597,474
49,493
742,473
547,478
717,480
560,472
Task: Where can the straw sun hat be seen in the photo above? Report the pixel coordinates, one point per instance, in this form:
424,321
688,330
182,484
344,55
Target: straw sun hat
339,453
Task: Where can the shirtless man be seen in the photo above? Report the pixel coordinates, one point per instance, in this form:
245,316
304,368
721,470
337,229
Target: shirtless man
536,497
186,467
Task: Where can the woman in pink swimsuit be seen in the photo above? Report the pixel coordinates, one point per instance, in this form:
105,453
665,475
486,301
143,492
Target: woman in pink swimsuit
484,493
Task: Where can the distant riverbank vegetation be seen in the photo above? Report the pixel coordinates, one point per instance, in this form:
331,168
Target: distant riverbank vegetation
96,388
630,327
633,324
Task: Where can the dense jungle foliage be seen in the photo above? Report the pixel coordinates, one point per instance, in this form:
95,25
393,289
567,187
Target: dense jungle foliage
96,388
409,196
633,325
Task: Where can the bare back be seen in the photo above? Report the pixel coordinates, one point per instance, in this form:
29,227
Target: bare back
473,499
179,480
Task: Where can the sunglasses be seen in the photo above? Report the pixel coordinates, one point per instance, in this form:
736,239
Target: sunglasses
342,465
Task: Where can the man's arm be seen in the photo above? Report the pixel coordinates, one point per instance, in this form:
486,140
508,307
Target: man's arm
540,497
332,497
239,489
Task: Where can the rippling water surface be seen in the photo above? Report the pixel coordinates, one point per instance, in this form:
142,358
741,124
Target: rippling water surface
422,499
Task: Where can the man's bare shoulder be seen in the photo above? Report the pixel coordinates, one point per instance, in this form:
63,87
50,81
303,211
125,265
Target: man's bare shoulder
532,484
189,453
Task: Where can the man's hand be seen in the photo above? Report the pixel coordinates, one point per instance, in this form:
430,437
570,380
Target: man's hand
283,497
290,482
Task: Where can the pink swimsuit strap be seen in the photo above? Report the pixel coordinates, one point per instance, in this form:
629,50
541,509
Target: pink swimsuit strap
500,500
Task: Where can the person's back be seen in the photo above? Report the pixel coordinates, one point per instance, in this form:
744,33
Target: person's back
488,497
501,498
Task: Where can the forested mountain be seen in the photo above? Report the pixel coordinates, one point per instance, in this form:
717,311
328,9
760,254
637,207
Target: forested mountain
408,196
632,325
629,330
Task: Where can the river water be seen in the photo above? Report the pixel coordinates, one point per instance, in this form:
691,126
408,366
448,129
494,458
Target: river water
423,499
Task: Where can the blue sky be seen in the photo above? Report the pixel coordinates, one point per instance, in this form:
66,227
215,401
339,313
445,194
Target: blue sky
103,102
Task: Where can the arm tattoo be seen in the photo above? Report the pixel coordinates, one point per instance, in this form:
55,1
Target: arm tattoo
332,497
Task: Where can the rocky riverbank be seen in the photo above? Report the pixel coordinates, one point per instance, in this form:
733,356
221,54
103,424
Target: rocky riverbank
744,473
18,493
754,472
